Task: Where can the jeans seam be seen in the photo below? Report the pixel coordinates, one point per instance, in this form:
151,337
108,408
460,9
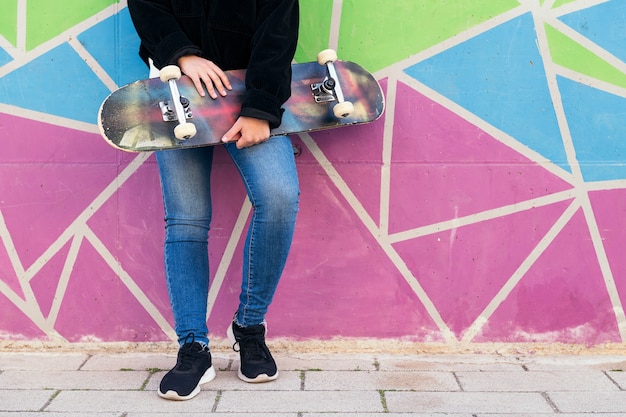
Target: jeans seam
250,271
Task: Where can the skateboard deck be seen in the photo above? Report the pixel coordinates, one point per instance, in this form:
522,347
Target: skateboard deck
138,117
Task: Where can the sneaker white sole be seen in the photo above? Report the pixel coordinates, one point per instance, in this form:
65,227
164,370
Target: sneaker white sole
208,376
259,378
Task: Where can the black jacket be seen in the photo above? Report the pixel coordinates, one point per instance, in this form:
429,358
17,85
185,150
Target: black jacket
258,35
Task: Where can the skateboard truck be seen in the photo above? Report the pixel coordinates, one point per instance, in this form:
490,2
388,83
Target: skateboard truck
329,90
180,112
169,113
323,92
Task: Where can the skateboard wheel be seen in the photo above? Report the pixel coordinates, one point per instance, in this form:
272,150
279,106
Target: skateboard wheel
326,56
170,72
343,109
185,131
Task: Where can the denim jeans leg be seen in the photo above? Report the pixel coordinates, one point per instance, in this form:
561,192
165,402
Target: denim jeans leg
185,182
269,174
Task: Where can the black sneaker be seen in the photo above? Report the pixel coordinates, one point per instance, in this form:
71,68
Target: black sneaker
193,368
256,362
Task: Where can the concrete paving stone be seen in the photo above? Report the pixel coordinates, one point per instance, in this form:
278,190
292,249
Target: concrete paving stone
135,362
127,401
300,401
380,380
60,414
155,380
416,414
334,362
204,414
553,414
590,402
12,401
574,362
81,380
142,362
618,377
613,367
465,402
447,363
228,380
536,381
32,361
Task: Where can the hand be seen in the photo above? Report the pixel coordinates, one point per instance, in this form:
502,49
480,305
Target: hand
248,131
205,72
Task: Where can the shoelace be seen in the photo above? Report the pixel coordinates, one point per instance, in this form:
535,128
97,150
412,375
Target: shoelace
254,347
187,354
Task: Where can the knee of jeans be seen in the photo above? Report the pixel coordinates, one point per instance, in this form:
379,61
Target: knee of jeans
279,202
177,230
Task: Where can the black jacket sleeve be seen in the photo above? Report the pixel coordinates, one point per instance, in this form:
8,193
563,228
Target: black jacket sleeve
268,79
159,24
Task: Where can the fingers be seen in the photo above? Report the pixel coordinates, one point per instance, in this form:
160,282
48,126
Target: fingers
205,73
247,132
214,79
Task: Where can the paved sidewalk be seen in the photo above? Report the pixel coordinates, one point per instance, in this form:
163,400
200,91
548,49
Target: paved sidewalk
318,385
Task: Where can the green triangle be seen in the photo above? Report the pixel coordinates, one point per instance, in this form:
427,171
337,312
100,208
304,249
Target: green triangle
559,3
315,19
8,21
49,18
378,33
569,54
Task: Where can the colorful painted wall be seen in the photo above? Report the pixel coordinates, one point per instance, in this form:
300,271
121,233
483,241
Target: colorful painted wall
487,205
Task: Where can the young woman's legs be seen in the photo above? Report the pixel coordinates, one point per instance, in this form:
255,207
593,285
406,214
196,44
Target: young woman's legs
269,174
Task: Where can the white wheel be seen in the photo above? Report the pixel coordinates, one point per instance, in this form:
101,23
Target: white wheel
343,109
171,72
185,131
326,56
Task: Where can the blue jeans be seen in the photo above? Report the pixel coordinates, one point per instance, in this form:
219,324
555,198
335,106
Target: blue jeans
269,174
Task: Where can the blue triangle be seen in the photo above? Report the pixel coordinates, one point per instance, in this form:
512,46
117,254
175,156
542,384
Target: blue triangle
115,45
57,83
4,57
604,24
499,76
596,122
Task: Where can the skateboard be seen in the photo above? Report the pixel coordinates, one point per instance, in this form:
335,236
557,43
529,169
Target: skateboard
168,113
